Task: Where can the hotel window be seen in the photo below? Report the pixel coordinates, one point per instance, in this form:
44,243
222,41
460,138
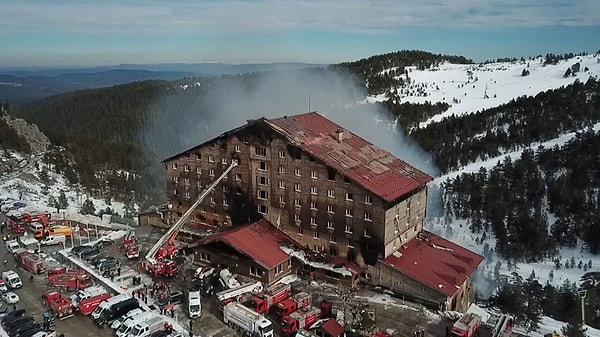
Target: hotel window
211,172
368,216
223,160
297,187
368,199
348,212
281,199
348,229
313,174
174,166
264,195
187,194
300,230
331,193
313,221
315,235
198,184
330,225
281,170
350,244
279,269
264,181
365,234
236,148
198,170
297,202
297,217
297,171
224,188
238,177
349,196
313,205
313,190
281,154
332,239
186,181
263,166
260,151
186,168
225,202
330,209
281,185
205,257
263,209
176,179
254,271
211,159
189,155
212,200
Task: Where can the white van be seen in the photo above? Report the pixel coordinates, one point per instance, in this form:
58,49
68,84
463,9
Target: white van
3,287
35,227
119,321
108,303
12,279
148,327
12,246
194,304
53,240
126,327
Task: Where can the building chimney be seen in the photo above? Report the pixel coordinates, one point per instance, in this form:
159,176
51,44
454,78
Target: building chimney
339,135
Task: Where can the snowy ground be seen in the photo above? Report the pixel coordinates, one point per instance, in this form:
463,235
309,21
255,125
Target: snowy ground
501,82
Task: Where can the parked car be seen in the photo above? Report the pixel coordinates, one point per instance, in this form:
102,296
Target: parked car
17,321
89,254
3,309
18,330
108,265
102,243
10,298
175,297
75,250
13,314
99,259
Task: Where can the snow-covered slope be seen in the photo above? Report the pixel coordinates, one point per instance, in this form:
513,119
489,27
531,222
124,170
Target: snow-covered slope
464,87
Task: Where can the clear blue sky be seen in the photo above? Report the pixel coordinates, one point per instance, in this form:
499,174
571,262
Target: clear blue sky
109,32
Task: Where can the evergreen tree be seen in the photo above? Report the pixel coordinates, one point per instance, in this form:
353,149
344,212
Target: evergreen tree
574,330
62,201
88,207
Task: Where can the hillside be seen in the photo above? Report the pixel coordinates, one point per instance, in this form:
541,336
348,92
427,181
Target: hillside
513,145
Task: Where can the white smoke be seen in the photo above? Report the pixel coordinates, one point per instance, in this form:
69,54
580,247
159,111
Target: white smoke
230,103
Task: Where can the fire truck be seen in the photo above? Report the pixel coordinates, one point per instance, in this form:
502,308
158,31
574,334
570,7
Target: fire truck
466,326
33,263
159,258
263,302
59,305
131,251
292,304
503,327
70,282
300,319
236,294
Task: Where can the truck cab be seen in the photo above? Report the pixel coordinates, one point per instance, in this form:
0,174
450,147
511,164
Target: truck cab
194,304
12,246
12,279
53,240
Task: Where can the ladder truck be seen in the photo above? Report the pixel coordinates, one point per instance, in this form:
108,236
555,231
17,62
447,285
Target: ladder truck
159,258
235,294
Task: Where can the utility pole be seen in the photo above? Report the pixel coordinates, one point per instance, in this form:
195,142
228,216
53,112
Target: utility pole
582,294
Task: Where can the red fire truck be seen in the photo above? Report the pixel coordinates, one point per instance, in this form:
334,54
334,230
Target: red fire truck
59,305
263,302
466,326
70,282
33,263
299,319
289,305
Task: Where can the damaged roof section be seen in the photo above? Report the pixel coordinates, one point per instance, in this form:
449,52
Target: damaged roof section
435,261
371,167
260,241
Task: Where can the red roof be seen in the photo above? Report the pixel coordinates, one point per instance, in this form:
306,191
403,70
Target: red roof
371,167
260,241
435,261
333,328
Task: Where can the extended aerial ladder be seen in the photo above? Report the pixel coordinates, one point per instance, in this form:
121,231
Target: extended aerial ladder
165,246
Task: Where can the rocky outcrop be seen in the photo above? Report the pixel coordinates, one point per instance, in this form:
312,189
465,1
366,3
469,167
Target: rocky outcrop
36,139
